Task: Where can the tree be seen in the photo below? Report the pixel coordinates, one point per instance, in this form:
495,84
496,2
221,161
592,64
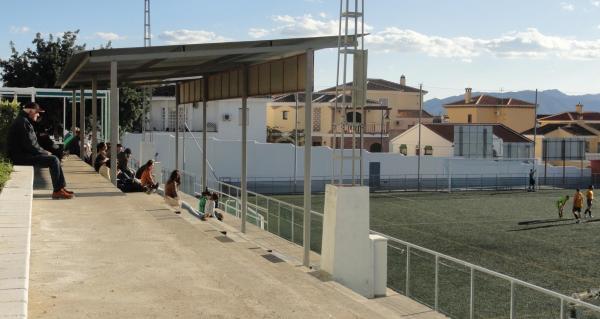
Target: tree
8,112
41,66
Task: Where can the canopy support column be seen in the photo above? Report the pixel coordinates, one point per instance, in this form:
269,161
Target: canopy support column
307,153
114,121
74,112
243,180
82,123
94,118
177,127
64,126
204,127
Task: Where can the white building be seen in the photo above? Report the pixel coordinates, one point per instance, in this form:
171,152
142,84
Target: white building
223,117
463,140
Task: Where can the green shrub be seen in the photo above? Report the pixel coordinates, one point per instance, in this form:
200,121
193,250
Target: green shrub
5,169
8,112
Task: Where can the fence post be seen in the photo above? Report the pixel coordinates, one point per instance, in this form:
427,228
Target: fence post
513,310
437,284
562,308
279,219
472,295
293,225
407,271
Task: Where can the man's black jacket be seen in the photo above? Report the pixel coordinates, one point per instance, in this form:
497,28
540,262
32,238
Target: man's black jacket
21,140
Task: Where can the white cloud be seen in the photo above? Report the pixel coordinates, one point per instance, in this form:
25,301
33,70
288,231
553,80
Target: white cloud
258,32
595,3
184,36
22,29
567,6
528,44
305,26
109,36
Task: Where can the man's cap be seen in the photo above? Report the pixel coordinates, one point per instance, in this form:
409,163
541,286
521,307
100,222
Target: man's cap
127,151
33,106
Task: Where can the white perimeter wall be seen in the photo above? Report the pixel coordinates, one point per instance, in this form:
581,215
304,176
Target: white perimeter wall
277,160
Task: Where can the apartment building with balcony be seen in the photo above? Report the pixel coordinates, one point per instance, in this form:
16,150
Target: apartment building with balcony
285,118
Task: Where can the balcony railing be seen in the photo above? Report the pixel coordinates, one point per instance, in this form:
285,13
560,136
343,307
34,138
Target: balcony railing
368,128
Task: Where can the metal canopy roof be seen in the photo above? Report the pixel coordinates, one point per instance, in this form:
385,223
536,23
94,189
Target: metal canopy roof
155,65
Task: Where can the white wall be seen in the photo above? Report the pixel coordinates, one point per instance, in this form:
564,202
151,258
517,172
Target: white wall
276,160
441,146
215,111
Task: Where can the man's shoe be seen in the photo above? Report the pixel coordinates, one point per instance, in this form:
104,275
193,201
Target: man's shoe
68,191
61,194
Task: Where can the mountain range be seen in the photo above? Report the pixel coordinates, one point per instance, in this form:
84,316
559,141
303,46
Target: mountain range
550,101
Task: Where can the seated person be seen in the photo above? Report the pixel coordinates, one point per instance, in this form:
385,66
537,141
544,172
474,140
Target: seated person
171,193
101,155
148,177
24,149
123,163
104,168
74,146
129,185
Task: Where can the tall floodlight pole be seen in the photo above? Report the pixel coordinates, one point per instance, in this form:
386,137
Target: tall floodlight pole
419,142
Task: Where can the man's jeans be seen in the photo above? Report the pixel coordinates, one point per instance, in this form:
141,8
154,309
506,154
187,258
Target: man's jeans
50,161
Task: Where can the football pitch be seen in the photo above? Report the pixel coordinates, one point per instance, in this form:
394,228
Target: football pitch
514,232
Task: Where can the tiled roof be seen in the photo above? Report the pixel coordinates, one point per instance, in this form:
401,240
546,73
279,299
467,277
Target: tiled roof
572,128
572,116
487,100
318,98
413,114
446,130
381,85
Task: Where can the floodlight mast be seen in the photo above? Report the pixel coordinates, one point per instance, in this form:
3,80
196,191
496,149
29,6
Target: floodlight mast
349,14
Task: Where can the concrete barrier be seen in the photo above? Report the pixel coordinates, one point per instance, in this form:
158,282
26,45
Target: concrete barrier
15,233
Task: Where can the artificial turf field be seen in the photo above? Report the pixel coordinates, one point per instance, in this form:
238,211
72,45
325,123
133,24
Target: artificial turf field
515,233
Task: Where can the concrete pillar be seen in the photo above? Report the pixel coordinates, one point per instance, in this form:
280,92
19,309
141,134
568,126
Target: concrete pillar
204,127
94,118
82,122
352,257
114,120
64,126
307,153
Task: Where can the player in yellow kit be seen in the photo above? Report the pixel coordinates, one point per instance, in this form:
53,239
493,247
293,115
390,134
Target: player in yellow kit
589,196
577,204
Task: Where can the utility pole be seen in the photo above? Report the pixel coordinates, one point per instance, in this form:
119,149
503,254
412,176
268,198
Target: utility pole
535,138
147,43
420,150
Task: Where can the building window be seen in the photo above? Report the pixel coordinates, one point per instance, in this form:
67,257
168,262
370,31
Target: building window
285,114
428,150
351,115
163,117
383,101
417,150
375,148
403,149
587,146
469,118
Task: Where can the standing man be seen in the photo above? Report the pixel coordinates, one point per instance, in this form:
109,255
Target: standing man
560,204
531,180
577,204
589,195
24,149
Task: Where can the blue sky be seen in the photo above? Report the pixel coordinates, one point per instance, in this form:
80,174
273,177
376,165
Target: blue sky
445,44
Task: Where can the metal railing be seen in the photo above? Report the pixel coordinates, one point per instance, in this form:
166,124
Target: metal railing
426,182
543,307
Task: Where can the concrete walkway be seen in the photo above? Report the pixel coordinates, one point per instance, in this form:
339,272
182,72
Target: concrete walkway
106,254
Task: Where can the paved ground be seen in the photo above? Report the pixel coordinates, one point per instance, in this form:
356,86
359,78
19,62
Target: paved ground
110,255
